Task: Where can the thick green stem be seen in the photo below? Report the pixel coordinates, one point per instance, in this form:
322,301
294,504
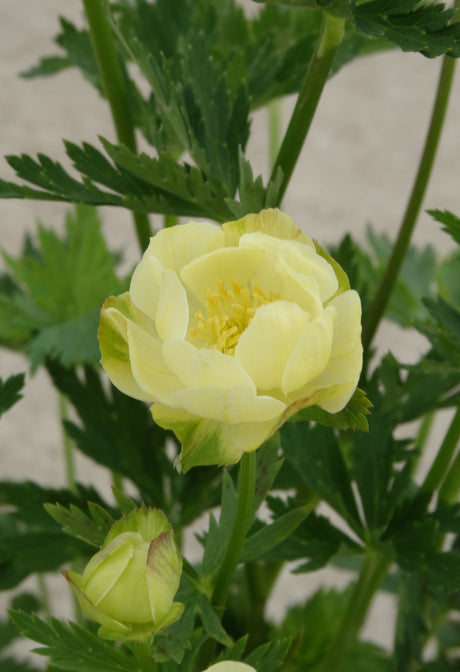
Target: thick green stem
374,569
241,524
331,35
414,204
450,488
143,653
443,459
115,89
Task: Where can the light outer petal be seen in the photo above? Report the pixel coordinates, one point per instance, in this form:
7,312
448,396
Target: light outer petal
177,246
300,257
265,346
171,319
311,354
205,367
206,442
145,284
163,572
231,405
148,366
271,221
113,344
224,265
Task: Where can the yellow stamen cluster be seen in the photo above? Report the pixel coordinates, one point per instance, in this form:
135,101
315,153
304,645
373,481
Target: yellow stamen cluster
228,313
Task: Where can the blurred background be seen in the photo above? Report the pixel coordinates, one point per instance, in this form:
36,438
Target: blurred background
357,167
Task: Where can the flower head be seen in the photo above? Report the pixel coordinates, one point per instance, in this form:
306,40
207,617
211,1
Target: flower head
230,330
129,585
230,666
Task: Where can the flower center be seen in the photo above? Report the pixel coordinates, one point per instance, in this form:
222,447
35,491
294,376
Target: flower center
228,313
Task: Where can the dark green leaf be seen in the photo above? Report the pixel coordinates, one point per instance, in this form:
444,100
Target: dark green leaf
353,416
72,647
216,539
271,656
92,529
315,454
451,222
14,665
10,391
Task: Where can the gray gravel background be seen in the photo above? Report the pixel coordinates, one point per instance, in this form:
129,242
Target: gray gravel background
357,166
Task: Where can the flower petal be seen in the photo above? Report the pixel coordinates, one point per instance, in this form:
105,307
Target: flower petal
171,319
113,344
265,347
225,265
163,572
145,285
199,368
205,442
177,246
302,258
232,405
271,221
311,354
148,366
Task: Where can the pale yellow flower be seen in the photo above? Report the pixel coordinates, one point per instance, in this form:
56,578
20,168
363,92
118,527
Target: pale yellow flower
230,330
128,587
230,666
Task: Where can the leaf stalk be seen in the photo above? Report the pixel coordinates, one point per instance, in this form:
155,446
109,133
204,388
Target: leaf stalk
115,89
331,35
414,204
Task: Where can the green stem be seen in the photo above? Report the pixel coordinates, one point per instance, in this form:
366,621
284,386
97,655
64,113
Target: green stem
450,488
274,129
414,204
44,596
373,571
170,220
143,653
115,89
443,459
331,35
69,457
241,524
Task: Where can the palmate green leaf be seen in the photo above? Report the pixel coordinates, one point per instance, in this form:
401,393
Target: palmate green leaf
411,628
71,647
450,221
111,422
92,529
271,656
10,391
315,454
353,416
15,665
215,540
78,52
30,541
269,536
61,283
315,540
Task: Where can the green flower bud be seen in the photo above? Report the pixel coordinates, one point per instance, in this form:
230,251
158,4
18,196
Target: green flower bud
129,585
230,666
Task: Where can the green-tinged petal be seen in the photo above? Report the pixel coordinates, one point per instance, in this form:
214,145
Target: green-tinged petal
205,367
232,405
164,569
230,666
301,258
121,547
177,246
271,221
118,630
173,615
226,265
347,330
125,599
265,347
205,442
113,344
311,354
342,277
148,366
149,523
171,319
145,285
342,395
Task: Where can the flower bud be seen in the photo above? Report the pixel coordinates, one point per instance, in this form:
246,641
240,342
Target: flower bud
230,666
231,330
129,585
